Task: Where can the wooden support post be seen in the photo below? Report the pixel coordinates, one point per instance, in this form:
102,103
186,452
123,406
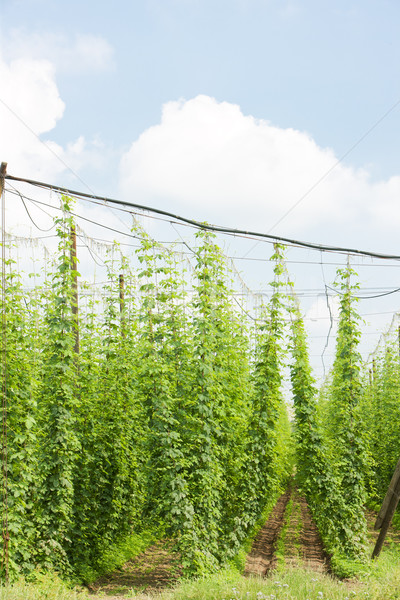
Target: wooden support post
74,267
387,511
398,337
3,172
122,303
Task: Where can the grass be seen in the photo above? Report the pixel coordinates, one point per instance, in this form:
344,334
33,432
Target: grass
44,587
380,581
289,584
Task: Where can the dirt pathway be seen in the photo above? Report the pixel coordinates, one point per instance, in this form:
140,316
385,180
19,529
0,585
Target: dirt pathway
262,556
156,568
292,528
313,552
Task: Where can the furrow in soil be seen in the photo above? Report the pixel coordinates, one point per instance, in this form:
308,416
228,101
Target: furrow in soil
262,556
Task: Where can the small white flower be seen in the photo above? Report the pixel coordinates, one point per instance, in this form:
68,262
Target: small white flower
285,585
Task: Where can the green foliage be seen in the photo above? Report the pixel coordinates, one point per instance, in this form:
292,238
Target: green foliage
58,407
268,432
218,408
380,411
163,358
19,460
310,463
41,586
167,418
336,489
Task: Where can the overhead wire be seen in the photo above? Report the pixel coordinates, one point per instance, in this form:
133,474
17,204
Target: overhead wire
235,233
340,293
208,227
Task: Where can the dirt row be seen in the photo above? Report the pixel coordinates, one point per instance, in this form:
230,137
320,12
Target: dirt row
302,542
155,569
158,567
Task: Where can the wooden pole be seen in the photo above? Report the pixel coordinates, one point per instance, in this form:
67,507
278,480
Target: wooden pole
398,337
387,511
74,265
122,303
3,172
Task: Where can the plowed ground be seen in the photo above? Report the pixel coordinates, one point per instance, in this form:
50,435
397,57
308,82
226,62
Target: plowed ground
155,569
301,540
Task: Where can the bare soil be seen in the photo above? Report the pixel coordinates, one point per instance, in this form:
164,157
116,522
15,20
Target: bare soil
313,552
262,555
303,544
157,568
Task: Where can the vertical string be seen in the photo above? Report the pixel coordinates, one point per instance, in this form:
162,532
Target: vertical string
5,533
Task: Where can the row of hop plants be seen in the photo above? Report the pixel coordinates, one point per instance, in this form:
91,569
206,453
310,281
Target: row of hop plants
346,439
166,418
380,409
332,443
171,415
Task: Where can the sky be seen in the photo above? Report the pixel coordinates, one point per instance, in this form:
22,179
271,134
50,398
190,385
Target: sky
278,116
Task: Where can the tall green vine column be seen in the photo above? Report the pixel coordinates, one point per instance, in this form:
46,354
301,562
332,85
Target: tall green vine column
58,409
89,470
348,451
163,373
120,419
17,349
314,471
309,454
380,411
214,447
268,409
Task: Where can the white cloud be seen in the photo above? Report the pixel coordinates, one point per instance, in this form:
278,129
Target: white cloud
30,108
82,53
213,163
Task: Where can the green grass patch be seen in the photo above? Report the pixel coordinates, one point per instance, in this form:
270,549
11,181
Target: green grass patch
291,584
44,586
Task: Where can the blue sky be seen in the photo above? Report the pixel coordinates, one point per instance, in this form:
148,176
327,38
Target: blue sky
228,111
328,68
